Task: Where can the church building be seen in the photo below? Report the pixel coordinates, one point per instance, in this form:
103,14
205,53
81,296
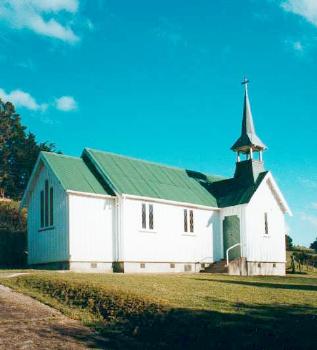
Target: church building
104,212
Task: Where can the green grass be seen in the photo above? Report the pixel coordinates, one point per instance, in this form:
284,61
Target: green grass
185,310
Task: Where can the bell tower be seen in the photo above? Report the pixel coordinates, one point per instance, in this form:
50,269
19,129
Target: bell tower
249,148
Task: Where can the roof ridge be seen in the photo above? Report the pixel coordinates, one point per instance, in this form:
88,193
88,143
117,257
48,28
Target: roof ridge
150,162
60,155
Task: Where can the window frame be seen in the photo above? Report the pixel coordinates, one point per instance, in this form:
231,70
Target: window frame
42,209
143,216
188,222
51,207
191,221
266,224
185,220
46,204
147,217
46,207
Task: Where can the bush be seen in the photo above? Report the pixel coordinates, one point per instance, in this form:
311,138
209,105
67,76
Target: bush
13,239
13,247
111,304
11,219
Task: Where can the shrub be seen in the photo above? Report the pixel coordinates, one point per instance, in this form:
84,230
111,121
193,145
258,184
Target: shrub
11,218
12,235
111,304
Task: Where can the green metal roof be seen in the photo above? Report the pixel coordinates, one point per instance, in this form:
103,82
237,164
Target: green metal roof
146,179
108,173
231,192
73,173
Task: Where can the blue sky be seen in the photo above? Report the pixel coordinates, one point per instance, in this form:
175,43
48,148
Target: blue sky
160,80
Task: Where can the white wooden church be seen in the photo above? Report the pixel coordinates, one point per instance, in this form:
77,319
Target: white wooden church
107,212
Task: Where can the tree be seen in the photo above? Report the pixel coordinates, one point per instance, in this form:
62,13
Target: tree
288,242
18,152
314,245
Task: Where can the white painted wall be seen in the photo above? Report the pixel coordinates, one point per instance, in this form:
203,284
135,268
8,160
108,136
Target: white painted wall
262,247
168,242
91,228
50,245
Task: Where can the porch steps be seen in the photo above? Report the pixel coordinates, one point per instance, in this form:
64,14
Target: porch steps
217,267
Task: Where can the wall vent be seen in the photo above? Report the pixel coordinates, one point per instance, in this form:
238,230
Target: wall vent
259,264
142,266
93,265
172,266
187,268
274,265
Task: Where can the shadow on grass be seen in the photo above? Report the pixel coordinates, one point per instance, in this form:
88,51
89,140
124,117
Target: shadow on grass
308,287
251,327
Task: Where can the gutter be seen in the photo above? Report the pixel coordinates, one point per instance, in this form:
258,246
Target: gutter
166,201
88,194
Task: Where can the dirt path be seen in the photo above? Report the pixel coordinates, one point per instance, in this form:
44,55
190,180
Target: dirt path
28,324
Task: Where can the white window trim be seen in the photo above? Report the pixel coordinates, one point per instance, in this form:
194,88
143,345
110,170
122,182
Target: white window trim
266,224
147,229
47,227
188,232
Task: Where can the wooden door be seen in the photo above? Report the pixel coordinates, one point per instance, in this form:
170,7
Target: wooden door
231,236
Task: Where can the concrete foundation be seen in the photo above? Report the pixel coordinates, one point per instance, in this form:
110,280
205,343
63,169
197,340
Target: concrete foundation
160,267
256,268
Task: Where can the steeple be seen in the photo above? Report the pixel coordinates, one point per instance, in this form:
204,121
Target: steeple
248,144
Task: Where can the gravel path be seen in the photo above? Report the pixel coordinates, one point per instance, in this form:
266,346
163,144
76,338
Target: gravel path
28,324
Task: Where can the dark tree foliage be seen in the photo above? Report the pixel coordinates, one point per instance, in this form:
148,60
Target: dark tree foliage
18,152
289,242
314,245
12,219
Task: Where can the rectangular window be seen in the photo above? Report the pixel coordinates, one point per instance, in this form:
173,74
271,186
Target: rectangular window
46,204
185,221
143,216
191,221
151,217
188,220
147,216
42,208
266,225
51,206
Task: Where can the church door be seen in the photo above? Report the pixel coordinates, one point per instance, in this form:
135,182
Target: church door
231,236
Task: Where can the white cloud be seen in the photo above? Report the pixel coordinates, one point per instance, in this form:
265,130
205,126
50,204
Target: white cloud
22,99
304,8
55,5
66,103
307,182
40,16
314,205
298,46
25,100
312,219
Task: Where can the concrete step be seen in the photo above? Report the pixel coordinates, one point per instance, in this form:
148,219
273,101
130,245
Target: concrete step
217,267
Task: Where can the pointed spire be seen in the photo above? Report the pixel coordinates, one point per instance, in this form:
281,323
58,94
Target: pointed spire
248,139
247,122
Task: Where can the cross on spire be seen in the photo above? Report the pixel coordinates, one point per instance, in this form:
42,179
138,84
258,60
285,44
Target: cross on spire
245,81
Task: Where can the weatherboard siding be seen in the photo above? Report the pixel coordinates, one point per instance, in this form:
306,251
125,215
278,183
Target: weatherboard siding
168,242
91,228
263,247
47,245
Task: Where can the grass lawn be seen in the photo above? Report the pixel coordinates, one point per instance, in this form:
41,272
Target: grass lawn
185,310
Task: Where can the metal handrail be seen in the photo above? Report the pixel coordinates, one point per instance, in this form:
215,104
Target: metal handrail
227,251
